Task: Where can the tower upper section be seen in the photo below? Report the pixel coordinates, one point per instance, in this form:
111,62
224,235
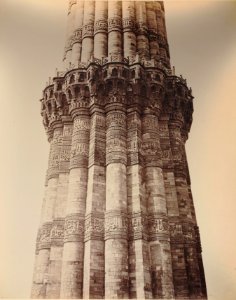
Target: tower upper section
116,30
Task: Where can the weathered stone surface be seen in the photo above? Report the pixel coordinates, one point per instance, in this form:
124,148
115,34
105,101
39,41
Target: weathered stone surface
118,218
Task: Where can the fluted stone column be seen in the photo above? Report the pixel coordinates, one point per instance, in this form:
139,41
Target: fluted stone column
77,34
142,33
139,262
42,279
152,29
100,29
94,259
193,214
168,167
129,36
69,32
57,232
118,219
73,252
116,222
88,31
115,40
176,235
160,252
162,34
187,224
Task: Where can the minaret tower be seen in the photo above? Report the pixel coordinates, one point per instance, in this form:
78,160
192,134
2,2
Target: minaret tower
118,219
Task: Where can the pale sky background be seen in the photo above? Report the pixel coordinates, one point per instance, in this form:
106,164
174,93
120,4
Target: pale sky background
202,39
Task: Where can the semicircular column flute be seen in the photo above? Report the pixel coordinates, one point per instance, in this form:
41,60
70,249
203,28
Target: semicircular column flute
157,219
152,29
116,222
73,252
41,274
88,31
94,258
100,29
140,285
57,232
69,32
162,34
77,34
187,220
115,40
129,36
142,33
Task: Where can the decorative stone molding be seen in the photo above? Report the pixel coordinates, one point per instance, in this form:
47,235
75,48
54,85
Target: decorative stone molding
158,226
57,232
44,236
116,225
77,37
101,26
88,30
114,24
138,226
74,228
94,227
128,24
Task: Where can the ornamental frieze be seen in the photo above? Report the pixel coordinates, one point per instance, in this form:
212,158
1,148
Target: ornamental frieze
44,236
177,156
98,121
133,146
74,228
116,119
79,148
77,37
81,124
176,232
114,24
158,225
75,95
115,144
81,102
150,123
67,131
115,98
45,233
141,28
128,24
100,26
54,158
116,225
188,232
57,231
88,30
167,154
94,227
137,226
133,121
177,116
150,148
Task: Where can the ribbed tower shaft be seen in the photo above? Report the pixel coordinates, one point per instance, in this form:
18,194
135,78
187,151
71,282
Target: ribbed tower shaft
118,218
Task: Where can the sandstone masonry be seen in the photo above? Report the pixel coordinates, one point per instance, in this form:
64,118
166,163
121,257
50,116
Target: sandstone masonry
118,218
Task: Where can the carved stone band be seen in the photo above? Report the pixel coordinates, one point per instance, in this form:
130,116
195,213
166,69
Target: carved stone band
57,232
88,30
114,24
44,236
116,225
74,228
94,227
100,26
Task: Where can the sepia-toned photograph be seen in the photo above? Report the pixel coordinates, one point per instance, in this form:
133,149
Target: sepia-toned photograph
118,143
